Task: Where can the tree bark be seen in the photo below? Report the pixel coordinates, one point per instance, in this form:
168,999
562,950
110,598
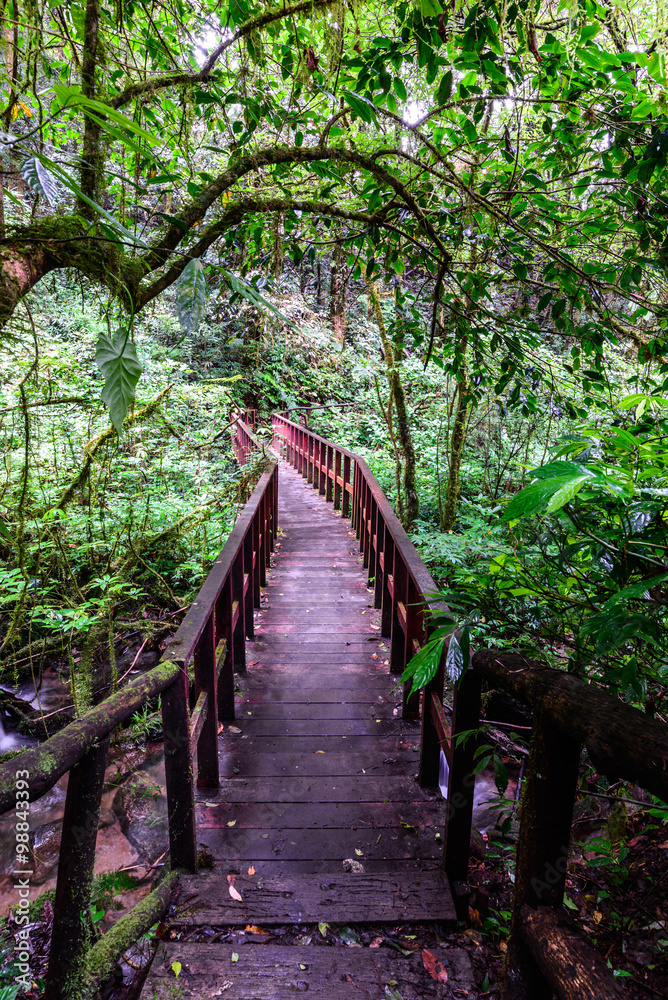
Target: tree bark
337,295
457,442
90,155
412,510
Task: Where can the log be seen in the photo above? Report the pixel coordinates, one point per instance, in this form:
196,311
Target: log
567,960
622,741
48,762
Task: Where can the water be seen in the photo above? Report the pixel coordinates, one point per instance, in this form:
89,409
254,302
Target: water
7,741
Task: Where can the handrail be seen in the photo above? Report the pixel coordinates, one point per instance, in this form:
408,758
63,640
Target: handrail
195,677
568,714
401,581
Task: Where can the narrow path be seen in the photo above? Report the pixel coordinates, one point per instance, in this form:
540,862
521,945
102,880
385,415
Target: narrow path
317,776
322,769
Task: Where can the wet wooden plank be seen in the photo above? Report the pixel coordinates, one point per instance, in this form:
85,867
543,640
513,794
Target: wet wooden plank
283,764
306,899
329,845
358,788
276,972
289,815
318,725
376,747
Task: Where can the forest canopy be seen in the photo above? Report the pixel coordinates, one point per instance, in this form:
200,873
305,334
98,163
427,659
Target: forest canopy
512,155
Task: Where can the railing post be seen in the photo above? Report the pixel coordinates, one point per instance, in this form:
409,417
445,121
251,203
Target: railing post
399,597
347,480
239,631
329,473
71,921
337,476
224,631
387,604
322,479
541,860
430,744
414,631
247,547
379,560
205,680
179,775
466,700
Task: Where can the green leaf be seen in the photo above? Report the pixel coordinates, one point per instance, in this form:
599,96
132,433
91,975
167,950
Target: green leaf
247,291
444,88
4,531
548,493
71,97
430,8
425,663
454,660
191,296
117,360
40,179
360,106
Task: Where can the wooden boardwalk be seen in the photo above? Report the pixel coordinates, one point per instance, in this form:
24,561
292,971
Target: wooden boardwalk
317,776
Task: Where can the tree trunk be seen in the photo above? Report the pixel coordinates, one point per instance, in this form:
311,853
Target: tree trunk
91,160
403,427
457,442
337,293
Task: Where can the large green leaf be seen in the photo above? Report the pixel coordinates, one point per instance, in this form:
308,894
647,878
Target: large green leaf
360,106
547,495
425,663
70,96
191,296
117,360
249,292
40,179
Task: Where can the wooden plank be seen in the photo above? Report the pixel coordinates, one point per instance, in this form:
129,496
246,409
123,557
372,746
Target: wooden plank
331,844
358,788
306,899
288,815
275,972
317,725
372,749
282,764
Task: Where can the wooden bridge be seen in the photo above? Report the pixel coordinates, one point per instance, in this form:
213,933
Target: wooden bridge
306,793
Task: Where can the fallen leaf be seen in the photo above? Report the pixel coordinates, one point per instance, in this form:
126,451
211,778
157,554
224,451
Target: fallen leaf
235,894
435,969
320,751
323,928
233,729
406,826
233,822
254,929
253,663
360,854
251,870
597,916
220,728
376,943
176,968
235,956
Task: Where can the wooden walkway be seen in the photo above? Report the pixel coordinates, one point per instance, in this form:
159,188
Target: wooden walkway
317,778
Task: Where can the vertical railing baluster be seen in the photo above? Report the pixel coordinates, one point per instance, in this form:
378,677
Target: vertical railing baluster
238,609
345,495
466,701
247,548
225,632
179,779
398,639
205,680
71,924
329,483
414,631
337,476
379,570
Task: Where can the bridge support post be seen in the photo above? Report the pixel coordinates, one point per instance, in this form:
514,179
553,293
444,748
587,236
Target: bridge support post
71,923
550,783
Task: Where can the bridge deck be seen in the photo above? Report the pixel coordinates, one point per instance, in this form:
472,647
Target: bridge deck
318,769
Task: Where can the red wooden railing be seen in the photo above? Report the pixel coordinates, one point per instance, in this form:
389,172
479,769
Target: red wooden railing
401,582
195,678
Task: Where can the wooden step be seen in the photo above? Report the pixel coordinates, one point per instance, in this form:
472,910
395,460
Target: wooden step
341,898
278,972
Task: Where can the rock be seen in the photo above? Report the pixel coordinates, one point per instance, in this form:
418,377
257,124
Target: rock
350,865
141,808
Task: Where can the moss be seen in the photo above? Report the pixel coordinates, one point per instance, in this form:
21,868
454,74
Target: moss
106,953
